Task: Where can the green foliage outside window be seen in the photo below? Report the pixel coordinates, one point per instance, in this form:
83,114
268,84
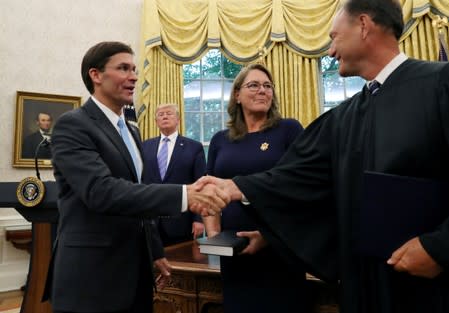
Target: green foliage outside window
207,84
337,88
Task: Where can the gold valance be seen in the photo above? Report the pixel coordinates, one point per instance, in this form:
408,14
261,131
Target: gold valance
186,29
294,34
414,10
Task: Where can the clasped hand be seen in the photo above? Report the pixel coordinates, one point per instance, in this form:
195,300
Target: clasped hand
209,195
207,199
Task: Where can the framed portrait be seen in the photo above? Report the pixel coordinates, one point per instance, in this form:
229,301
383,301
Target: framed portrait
36,114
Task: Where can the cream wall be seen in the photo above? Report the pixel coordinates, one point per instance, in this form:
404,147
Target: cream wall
42,43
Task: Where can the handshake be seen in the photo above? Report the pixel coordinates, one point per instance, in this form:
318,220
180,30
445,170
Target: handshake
209,195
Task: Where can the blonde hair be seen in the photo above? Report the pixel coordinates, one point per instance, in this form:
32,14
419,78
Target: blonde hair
167,105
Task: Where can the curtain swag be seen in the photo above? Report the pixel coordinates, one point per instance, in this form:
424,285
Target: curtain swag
291,35
186,29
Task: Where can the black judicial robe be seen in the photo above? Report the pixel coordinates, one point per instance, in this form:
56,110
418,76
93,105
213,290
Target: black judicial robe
309,202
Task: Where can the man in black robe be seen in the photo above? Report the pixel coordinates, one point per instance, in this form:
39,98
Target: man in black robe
310,202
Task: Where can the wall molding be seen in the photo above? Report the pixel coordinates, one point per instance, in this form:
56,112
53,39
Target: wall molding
13,275
14,263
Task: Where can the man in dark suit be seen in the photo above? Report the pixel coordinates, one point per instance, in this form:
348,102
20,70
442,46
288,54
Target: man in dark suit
102,259
184,163
30,143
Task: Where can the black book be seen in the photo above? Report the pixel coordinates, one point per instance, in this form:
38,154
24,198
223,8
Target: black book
225,243
397,208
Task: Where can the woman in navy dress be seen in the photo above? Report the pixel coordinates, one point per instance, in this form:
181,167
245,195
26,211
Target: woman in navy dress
257,280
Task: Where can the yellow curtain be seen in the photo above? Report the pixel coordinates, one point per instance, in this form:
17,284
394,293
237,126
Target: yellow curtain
292,33
162,83
422,42
420,37
186,29
296,78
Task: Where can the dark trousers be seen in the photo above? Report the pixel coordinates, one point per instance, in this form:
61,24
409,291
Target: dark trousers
143,301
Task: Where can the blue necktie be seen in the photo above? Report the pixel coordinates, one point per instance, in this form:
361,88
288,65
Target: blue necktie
374,86
124,132
162,157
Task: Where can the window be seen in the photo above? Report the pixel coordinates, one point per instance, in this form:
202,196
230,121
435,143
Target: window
207,85
337,88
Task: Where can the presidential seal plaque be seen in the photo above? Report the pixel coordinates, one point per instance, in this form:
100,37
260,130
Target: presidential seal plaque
30,191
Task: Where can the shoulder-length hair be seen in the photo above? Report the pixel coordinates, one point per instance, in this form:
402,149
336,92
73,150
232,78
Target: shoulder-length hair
236,123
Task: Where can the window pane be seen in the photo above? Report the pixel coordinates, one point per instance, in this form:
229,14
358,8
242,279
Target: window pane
354,85
230,70
336,88
207,88
211,64
192,71
227,86
333,88
193,125
192,96
328,64
212,124
212,105
212,96
225,110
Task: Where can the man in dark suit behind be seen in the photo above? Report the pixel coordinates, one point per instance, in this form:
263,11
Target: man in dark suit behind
102,259
30,143
184,164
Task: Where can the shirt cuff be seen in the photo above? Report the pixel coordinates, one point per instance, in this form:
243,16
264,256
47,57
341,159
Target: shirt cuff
184,199
245,200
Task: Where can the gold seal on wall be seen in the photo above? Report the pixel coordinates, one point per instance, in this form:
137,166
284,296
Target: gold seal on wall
30,191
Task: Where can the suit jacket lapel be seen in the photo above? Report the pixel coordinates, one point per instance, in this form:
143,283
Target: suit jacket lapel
111,132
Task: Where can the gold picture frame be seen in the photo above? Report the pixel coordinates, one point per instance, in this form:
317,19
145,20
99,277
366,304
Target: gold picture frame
36,114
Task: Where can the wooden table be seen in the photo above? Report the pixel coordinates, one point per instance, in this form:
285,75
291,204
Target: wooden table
196,285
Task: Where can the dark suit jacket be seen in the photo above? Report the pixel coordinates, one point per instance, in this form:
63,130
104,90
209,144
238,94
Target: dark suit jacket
103,224
30,144
186,165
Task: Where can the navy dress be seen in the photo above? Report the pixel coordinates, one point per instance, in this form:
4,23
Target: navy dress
261,282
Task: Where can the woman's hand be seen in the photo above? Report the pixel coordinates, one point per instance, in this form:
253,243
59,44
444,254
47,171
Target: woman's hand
256,241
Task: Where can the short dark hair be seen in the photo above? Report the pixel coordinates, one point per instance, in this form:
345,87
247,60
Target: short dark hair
387,13
97,57
43,112
236,124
